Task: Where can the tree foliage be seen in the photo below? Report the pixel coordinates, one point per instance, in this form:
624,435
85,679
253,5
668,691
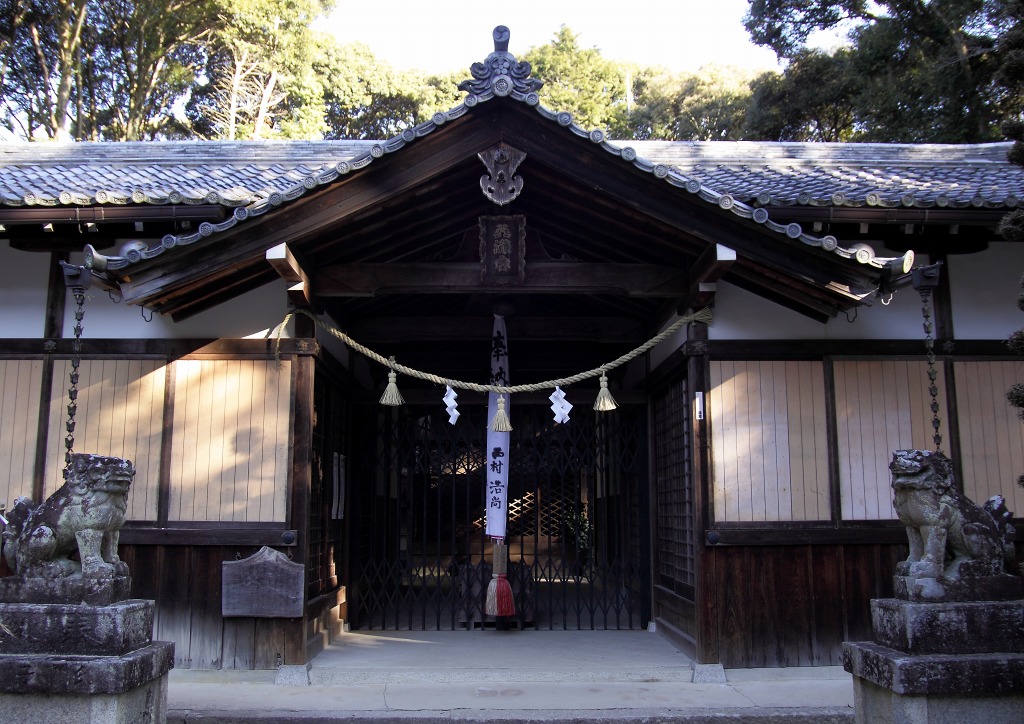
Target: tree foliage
811,101
367,98
580,81
260,81
86,69
42,42
709,105
917,70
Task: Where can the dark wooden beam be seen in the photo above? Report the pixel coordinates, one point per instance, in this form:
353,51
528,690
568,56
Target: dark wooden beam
402,330
290,268
709,267
551,277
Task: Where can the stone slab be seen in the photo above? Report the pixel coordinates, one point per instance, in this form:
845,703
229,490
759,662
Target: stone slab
293,675
708,674
51,628
49,673
875,704
945,674
982,588
145,703
74,589
978,627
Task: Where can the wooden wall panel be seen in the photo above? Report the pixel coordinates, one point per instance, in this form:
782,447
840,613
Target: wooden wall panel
793,605
881,406
769,441
120,413
20,385
229,457
991,431
187,591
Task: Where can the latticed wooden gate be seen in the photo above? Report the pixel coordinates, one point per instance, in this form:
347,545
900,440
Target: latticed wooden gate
577,528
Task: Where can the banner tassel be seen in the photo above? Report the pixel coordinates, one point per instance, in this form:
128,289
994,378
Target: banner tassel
391,394
501,423
499,601
605,402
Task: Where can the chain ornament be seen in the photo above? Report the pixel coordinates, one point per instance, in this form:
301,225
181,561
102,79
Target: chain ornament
77,279
925,280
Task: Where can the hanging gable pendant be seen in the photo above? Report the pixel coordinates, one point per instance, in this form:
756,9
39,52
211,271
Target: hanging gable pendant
500,185
502,249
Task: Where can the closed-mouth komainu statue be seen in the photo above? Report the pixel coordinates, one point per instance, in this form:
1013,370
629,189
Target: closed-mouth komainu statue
949,536
85,515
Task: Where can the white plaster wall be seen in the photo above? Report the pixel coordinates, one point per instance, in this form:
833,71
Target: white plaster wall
742,315
984,287
23,282
249,315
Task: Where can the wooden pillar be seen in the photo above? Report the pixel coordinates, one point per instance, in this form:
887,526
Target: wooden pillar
303,369
706,589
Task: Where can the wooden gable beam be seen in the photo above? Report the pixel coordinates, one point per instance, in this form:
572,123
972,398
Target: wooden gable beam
710,266
288,267
548,277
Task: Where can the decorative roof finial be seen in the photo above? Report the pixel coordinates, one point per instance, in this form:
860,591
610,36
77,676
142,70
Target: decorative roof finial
501,74
501,35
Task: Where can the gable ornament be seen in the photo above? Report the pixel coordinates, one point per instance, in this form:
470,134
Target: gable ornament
501,74
501,185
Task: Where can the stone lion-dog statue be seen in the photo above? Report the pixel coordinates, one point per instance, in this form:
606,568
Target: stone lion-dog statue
950,537
83,516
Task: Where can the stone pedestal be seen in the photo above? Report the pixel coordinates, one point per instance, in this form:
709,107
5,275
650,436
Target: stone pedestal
82,663
940,661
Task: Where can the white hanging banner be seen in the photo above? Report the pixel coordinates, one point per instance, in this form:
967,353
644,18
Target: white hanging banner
497,442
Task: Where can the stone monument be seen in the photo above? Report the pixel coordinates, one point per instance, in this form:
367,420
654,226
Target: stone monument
74,647
950,646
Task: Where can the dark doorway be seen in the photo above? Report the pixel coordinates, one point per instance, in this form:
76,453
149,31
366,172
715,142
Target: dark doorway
577,527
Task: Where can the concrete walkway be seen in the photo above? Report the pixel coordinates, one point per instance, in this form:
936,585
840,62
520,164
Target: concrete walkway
509,676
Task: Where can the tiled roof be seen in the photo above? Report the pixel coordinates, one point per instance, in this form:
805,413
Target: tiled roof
241,173
849,174
741,177
236,173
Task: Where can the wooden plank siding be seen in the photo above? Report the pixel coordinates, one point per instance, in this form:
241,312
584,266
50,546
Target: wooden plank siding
188,596
210,427
120,409
229,458
881,406
770,451
991,433
20,384
780,606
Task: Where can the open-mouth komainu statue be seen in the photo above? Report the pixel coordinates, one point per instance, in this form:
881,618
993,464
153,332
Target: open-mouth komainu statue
949,536
83,516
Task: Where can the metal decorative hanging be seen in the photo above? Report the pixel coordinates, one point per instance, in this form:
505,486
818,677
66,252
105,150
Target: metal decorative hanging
925,280
77,280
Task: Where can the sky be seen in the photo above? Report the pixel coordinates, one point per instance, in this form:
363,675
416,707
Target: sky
445,35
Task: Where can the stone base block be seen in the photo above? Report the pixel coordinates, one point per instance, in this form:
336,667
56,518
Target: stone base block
874,704
47,673
708,673
966,675
982,588
52,628
72,589
949,628
145,703
293,675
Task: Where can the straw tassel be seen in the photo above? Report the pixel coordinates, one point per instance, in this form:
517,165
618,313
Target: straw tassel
501,423
499,601
605,402
391,394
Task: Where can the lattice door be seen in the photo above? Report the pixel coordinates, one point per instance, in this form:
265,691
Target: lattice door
577,502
